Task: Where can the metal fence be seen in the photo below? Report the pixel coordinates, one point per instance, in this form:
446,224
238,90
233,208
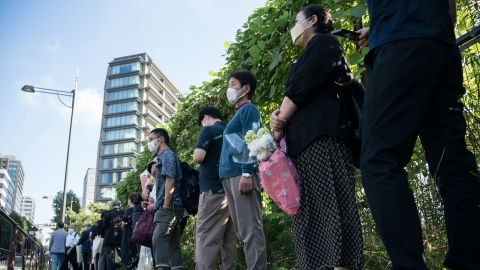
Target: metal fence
468,40
17,249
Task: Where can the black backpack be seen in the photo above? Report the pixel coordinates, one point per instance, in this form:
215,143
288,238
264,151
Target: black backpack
189,188
352,96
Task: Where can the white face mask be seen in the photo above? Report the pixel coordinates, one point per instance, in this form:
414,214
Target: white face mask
234,95
297,31
152,147
70,231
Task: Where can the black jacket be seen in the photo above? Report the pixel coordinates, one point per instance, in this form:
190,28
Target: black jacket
312,86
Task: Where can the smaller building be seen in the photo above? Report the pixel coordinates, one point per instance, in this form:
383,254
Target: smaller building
88,195
6,198
27,208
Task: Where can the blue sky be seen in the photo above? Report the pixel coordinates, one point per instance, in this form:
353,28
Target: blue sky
43,43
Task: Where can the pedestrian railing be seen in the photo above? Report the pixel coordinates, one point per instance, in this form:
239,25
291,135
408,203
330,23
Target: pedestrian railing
17,249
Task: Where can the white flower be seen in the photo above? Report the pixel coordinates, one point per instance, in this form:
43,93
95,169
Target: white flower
262,148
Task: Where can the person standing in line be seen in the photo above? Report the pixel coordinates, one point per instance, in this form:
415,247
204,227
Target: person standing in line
56,246
414,89
70,249
129,249
168,206
112,224
327,230
86,244
241,181
215,236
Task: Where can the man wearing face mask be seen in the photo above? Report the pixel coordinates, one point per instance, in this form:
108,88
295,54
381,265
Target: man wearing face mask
168,204
215,237
241,181
70,250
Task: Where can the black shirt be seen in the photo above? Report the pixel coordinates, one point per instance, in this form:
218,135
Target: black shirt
392,20
312,87
210,140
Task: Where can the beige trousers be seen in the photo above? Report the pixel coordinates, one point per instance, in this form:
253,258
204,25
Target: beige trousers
246,212
216,243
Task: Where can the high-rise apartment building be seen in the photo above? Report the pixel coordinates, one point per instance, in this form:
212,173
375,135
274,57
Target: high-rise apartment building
17,176
6,191
27,208
138,95
88,196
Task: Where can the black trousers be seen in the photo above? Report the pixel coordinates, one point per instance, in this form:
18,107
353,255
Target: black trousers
413,90
70,258
110,256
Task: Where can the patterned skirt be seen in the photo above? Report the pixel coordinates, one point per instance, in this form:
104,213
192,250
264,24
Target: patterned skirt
327,230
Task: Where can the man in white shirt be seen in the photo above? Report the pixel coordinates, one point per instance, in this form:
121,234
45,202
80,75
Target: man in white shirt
70,250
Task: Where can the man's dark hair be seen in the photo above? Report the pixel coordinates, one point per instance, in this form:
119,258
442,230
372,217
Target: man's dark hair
245,77
60,225
210,111
325,21
160,132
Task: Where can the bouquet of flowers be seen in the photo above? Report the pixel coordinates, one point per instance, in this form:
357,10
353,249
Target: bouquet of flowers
278,175
260,144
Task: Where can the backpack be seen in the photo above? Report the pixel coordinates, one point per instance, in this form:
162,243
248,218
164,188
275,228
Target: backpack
189,188
352,96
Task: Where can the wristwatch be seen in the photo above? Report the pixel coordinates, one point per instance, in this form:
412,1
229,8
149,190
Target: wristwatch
249,175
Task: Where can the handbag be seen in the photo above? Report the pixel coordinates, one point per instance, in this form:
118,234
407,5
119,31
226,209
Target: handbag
352,95
143,230
279,179
79,254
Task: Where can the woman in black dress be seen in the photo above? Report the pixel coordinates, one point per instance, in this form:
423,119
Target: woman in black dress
129,254
326,231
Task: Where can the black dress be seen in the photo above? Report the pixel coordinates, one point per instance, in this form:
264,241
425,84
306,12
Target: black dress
327,229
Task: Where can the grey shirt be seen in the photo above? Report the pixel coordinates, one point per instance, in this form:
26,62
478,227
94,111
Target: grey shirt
57,241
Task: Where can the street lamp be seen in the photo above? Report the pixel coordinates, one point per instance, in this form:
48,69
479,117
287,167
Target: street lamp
58,93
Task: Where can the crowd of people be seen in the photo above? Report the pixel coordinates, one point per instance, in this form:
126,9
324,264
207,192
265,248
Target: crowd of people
414,86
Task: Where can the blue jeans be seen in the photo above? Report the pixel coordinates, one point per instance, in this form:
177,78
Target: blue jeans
57,260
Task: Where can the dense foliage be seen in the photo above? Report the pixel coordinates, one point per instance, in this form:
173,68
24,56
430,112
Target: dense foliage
263,45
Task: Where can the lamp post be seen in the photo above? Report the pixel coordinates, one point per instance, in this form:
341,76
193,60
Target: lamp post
34,89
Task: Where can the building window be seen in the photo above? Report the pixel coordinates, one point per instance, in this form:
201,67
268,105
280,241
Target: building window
123,81
122,120
118,163
122,107
123,94
119,148
121,134
112,178
107,193
124,68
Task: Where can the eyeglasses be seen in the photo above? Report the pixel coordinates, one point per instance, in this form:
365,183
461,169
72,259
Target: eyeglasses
151,139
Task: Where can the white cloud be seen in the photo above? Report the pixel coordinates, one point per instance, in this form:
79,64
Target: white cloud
88,108
52,45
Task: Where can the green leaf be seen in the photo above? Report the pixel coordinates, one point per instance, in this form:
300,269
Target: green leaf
358,10
254,52
355,58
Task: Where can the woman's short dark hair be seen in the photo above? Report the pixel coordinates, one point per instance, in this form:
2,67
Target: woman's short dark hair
325,21
132,197
245,77
160,132
210,111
